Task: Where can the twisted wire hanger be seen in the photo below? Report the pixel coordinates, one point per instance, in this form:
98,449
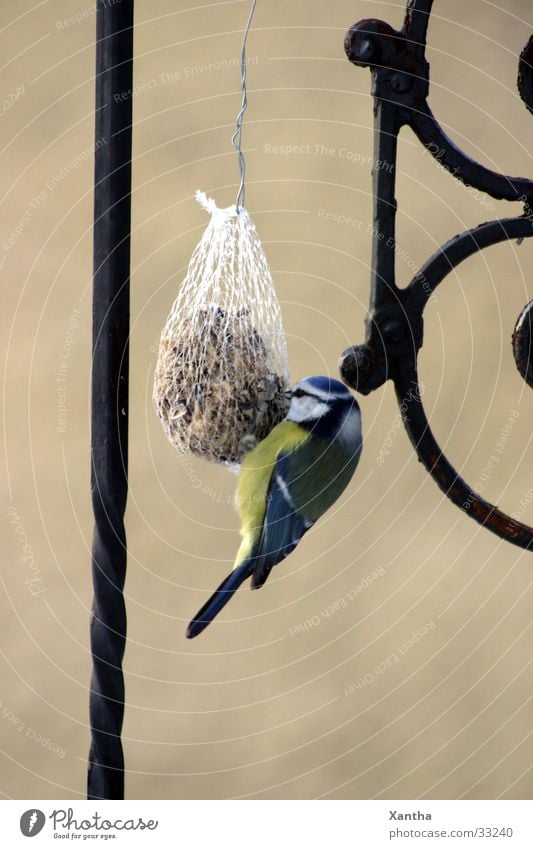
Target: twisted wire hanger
237,136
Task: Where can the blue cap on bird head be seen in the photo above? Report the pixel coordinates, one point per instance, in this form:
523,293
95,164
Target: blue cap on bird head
321,402
326,387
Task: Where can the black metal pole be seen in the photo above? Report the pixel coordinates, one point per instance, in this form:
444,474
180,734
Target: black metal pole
109,445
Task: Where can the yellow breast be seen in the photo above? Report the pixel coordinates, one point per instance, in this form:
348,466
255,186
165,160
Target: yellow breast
254,479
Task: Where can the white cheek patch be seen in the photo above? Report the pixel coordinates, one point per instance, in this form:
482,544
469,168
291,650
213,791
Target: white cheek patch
307,408
349,432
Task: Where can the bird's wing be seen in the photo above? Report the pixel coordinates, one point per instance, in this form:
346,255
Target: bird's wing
218,600
283,525
305,482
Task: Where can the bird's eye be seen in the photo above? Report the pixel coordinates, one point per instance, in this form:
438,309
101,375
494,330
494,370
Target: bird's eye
298,393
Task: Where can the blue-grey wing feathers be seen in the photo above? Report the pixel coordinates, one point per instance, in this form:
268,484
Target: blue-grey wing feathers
294,502
283,526
218,600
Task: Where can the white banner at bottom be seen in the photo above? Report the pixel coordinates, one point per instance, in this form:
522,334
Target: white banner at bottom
267,824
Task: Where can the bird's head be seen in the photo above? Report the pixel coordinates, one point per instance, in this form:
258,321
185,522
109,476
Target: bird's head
323,405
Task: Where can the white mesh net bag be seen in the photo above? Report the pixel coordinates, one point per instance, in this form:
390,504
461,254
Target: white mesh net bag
222,369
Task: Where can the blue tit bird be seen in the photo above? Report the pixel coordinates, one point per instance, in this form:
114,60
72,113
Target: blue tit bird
287,481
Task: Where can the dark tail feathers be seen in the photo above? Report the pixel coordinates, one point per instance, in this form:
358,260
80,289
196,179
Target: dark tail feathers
218,600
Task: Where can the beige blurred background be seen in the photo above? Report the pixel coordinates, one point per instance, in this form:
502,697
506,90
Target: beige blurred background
354,707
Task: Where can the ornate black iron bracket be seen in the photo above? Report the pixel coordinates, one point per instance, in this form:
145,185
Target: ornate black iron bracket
394,324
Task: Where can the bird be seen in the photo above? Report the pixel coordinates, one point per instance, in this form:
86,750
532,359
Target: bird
288,481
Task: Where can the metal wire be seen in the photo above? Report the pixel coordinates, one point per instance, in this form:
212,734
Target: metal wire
237,136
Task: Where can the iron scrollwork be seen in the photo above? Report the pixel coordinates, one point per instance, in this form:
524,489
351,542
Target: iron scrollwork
394,324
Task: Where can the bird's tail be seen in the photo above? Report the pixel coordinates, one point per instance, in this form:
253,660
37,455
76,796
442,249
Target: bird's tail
220,597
